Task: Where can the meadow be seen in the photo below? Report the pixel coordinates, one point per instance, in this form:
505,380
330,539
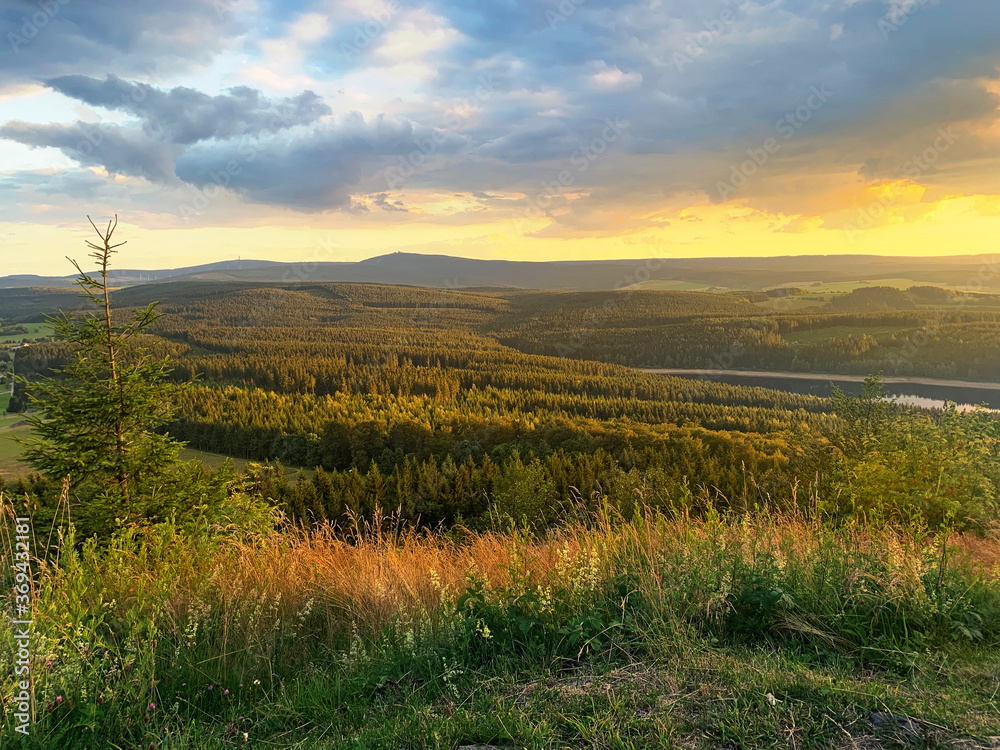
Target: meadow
16,334
769,630
11,428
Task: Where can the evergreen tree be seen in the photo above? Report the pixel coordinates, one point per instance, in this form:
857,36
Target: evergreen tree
96,420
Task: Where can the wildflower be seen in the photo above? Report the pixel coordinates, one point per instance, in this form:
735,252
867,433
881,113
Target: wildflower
256,682
59,699
152,707
226,691
48,664
211,687
100,699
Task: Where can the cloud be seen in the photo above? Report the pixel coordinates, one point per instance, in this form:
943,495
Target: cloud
382,201
699,81
614,79
184,116
120,150
151,38
314,169
537,144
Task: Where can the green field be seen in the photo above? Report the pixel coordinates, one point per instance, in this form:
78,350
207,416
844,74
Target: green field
819,290
788,304
35,332
11,428
842,287
10,450
673,285
214,461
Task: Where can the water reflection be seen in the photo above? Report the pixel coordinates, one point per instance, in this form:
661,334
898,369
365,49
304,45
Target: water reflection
930,403
912,394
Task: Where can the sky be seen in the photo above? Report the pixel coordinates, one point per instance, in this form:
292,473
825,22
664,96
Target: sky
336,130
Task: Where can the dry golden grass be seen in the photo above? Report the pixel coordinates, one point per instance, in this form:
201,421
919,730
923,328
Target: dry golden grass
365,581
370,580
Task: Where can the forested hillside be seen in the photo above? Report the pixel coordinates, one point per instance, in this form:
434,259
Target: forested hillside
429,400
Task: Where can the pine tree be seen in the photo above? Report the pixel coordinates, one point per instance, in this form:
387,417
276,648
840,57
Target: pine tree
96,421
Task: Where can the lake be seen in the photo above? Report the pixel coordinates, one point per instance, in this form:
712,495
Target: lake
924,392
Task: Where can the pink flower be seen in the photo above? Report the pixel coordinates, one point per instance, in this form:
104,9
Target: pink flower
152,707
58,699
225,692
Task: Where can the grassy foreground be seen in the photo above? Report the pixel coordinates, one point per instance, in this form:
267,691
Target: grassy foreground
744,632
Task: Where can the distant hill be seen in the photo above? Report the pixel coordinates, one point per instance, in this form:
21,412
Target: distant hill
443,271
128,277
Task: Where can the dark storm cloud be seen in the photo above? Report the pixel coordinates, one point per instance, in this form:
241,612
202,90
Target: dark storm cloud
314,169
184,115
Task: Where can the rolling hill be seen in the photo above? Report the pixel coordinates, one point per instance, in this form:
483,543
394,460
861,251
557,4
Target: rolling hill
442,271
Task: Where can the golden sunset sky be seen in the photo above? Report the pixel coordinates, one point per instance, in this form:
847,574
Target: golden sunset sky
338,130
